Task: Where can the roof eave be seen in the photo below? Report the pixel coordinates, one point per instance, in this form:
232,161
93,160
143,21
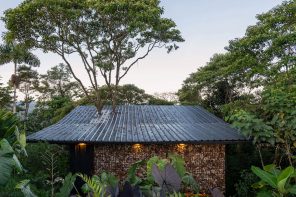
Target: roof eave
142,142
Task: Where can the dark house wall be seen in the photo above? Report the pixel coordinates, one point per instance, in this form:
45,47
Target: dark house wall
81,161
205,162
81,158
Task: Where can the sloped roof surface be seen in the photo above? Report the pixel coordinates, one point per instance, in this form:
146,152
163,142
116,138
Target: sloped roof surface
139,124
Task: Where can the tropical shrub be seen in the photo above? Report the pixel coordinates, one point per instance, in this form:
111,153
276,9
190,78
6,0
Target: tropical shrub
174,165
8,162
8,123
93,185
159,177
275,182
243,186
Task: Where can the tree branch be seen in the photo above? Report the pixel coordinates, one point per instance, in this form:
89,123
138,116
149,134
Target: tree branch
72,72
150,47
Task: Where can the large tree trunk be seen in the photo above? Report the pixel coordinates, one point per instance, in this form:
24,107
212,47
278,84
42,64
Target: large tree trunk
99,106
27,104
14,89
114,100
98,102
288,152
277,156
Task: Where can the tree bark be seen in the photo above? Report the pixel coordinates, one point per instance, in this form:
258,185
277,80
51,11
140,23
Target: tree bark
260,154
276,160
98,101
114,99
27,104
288,149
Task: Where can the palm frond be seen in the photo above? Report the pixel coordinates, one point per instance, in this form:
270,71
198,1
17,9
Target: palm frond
96,187
30,59
5,54
17,53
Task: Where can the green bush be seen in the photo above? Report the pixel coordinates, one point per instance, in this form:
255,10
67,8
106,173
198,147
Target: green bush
244,185
275,182
39,173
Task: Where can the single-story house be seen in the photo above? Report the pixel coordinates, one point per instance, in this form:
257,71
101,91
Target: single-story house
112,142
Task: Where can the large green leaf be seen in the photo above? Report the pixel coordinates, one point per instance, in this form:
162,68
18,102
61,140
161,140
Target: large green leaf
68,185
178,163
283,177
264,193
109,179
21,140
132,177
8,123
93,185
272,169
25,188
189,181
17,164
292,189
265,176
259,185
7,161
161,163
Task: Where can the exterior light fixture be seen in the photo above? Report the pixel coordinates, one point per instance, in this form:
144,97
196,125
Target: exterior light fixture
80,147
181,147
82,144
137,147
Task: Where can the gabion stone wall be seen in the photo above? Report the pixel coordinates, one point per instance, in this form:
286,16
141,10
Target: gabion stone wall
205,162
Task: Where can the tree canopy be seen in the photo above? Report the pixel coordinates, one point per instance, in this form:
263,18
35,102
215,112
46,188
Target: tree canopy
5,98
264,56
58,82
17,53
109,36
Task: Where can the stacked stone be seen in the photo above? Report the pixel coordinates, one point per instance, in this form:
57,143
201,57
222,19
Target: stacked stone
205,161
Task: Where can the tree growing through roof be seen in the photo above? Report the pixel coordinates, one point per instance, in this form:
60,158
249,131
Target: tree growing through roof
127,40
110,37
13,52
129,94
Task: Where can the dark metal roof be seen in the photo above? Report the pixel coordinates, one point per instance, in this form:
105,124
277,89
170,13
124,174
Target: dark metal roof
139,124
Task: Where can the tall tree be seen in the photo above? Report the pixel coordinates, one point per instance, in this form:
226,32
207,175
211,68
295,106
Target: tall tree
5,98
110,37
11,52
268,48
263,56
126,40
213,85
27,85
58,82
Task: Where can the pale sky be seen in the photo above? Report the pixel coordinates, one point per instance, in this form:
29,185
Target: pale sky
206,26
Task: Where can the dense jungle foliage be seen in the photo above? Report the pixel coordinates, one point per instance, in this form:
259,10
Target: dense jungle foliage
251,86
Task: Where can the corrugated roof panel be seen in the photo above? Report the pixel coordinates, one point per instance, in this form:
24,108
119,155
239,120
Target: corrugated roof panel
139,123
